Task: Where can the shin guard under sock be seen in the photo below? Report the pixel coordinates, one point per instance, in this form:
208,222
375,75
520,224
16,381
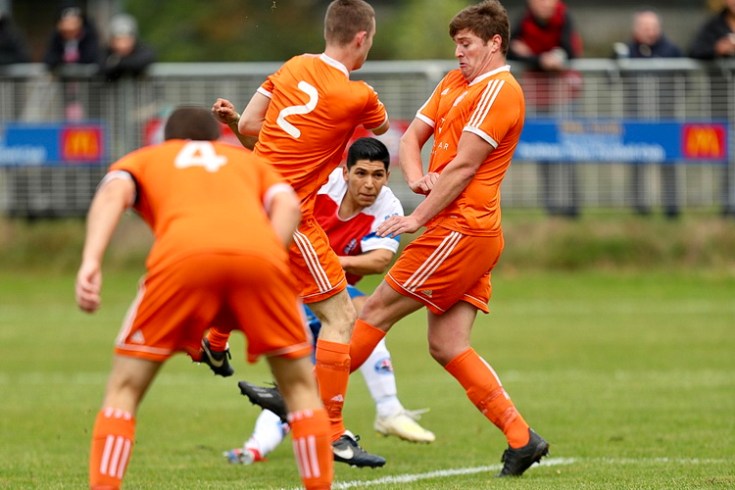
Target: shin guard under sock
312,447
112,445
332,374
364,339
484,389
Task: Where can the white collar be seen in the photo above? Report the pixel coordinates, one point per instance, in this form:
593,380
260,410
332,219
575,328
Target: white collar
482,77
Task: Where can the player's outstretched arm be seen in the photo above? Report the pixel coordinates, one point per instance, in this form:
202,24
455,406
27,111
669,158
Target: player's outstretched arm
253,116
372,262
409,156
111,200
224,111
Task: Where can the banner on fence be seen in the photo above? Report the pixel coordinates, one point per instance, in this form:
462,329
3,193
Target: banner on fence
623,141
550,140
53,144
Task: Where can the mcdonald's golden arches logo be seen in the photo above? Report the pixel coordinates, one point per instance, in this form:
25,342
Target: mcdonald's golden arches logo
704,141
82,144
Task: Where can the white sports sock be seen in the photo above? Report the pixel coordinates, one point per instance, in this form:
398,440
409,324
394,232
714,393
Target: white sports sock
378,373
267,434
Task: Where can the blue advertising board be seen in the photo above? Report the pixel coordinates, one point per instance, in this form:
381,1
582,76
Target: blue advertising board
624,141
53,144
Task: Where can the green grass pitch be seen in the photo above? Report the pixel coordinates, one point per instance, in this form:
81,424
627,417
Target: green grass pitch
630,376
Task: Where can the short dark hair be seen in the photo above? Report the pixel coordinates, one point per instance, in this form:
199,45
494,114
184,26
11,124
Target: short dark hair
345,18
191,123
371,149
485,20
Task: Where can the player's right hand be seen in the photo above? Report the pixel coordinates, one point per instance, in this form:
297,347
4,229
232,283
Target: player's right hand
424,184
224,111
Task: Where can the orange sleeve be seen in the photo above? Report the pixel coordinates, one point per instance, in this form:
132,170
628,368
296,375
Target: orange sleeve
374,114
497,111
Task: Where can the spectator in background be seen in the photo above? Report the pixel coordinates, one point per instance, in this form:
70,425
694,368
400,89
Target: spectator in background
648,100
125,55
716,37
75,40
545,38
716,40
647,39
13,47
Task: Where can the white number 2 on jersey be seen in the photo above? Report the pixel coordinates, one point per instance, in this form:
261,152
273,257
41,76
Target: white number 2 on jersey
199,154
292,130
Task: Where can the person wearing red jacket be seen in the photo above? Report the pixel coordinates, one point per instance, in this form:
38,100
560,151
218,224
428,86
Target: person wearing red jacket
545,38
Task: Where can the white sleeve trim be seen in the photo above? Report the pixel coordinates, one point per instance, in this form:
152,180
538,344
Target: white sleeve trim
481,134
425,119
272,191
380,244
379,125
122,175
263,91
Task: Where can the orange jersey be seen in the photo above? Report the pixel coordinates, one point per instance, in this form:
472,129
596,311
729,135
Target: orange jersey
492,106
216,259
314,109
175,182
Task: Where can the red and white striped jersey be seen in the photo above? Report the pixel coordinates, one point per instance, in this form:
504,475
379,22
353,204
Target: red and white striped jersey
355,235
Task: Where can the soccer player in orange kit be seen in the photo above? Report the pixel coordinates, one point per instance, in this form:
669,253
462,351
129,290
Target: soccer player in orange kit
475,116
303,116
222,219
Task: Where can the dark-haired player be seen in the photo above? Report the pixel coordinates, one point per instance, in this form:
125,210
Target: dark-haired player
222,219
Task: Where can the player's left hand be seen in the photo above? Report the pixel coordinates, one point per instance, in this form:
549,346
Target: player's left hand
395,225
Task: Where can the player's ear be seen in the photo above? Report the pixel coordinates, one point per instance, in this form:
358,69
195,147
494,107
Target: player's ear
345,173
360,37
497,43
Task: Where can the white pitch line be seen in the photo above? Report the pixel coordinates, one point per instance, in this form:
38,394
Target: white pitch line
409,478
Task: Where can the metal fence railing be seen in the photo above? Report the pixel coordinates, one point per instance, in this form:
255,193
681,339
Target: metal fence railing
681,90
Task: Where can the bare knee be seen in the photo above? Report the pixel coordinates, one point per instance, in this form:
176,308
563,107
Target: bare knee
337,315
444,352
439,354
128,382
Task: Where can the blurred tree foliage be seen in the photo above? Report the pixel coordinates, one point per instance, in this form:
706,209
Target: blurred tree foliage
227,30
419,29
274,30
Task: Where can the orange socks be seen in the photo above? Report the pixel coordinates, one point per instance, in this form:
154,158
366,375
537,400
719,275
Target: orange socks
364,339
487,394
312,447
217,339
112,444
332,373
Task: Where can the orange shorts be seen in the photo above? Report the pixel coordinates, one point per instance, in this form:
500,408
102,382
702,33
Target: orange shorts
314,264
176,305
442,267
